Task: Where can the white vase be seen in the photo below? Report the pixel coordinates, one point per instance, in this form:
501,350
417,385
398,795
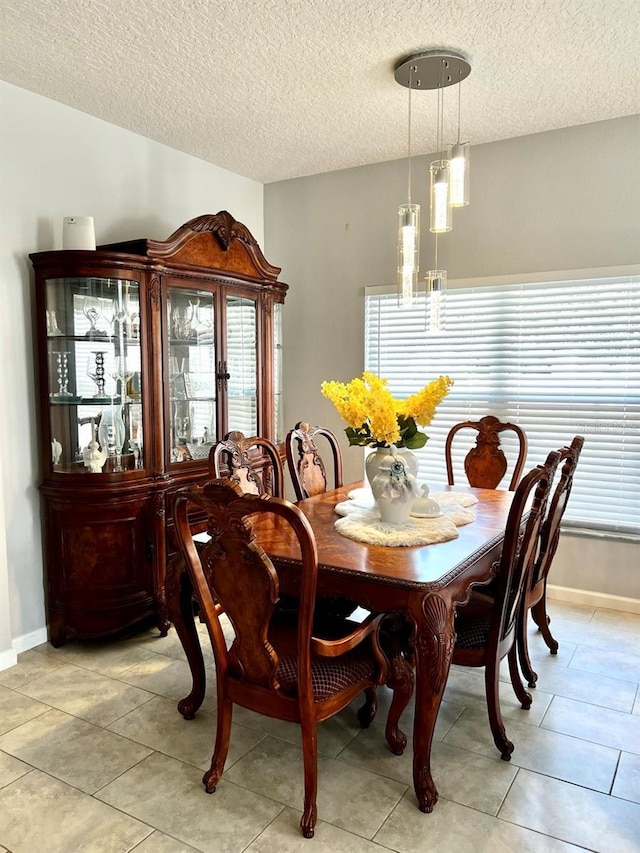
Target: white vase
393,484
373,460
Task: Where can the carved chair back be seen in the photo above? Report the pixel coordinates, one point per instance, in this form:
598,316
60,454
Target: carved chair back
253,463
550,532
487,630
520,549
308,471
536,593
486,464
274,665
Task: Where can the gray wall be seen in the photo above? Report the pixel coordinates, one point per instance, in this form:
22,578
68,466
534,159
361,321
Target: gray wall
563,200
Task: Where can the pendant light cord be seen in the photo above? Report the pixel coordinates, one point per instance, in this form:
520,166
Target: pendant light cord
441,111
439,143
409,139
459,100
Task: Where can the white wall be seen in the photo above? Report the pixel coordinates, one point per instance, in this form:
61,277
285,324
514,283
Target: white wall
563,200
55,162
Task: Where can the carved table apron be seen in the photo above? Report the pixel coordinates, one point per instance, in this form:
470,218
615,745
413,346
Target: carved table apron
424,583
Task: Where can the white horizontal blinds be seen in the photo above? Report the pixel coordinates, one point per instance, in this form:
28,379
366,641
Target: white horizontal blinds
559,359
198,325
242,403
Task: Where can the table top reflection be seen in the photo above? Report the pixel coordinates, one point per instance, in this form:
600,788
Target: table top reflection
421,565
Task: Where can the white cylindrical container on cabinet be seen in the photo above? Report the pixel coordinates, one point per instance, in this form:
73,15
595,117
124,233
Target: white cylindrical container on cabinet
78,232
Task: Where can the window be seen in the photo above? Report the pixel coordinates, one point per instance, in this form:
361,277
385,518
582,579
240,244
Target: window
559,358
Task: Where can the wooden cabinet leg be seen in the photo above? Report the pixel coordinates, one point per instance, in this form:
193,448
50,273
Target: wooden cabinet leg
57,629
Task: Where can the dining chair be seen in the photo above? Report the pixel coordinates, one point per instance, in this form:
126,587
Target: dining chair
535,597
308,471
275,665
486,464
486,629
309,477
253,463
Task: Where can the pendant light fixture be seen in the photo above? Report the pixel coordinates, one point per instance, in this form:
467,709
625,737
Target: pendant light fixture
449,176
408,233
436,282
440,171
459,158
438,69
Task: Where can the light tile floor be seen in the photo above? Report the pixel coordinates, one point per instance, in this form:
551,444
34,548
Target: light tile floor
95,757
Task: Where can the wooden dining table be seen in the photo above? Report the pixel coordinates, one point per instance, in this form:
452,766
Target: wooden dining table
424,583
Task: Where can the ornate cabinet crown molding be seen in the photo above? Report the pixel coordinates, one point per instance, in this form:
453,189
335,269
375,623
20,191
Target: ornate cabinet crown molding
215,241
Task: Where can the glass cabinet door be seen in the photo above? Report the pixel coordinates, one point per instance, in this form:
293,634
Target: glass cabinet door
94,374
241,364
191,373
278,415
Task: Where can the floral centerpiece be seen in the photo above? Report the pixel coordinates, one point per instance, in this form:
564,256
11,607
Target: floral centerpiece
376,418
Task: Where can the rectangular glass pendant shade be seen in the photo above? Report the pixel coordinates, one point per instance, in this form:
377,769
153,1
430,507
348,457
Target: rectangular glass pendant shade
440,208
459,159
408,252
436,281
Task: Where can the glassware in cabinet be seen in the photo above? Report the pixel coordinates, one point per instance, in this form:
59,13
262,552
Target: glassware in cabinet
191,369
94,372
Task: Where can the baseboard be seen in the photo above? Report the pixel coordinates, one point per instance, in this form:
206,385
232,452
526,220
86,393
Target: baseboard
8,658
594,599
28,641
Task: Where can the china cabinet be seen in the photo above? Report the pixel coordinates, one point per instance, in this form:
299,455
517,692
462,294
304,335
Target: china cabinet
149,352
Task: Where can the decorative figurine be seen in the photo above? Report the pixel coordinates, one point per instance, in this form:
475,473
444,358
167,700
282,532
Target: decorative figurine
424,506
56,451
94,458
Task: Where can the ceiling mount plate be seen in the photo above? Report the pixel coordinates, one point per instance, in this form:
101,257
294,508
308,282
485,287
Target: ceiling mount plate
432,69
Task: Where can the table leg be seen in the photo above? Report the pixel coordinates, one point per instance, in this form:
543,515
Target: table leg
179,594
434,640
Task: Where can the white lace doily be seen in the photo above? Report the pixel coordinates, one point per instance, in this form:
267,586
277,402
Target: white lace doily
360,520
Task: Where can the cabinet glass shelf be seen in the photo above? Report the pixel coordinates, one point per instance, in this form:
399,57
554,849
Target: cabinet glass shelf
92,401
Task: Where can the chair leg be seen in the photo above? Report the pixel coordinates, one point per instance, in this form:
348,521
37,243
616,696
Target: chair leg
310,761
367,714
401,681
523,696
221,749
523,652
539,614
491,683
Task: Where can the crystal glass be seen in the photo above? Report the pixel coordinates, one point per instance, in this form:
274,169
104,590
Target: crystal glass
62,374
178,321
53,330
96,370
122,375
193,319
92,308
121,315
112,433
108,313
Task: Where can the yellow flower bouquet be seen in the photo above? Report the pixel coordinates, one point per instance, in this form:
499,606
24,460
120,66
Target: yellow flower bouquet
374,417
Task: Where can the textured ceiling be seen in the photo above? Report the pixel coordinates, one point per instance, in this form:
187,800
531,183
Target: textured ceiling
274,89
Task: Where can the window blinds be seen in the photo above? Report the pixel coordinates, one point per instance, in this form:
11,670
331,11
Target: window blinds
242,400
558,358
